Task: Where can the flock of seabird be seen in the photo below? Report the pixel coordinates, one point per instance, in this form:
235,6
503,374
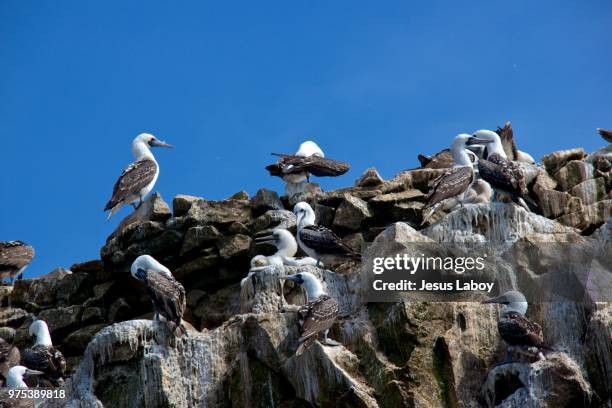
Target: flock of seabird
477,165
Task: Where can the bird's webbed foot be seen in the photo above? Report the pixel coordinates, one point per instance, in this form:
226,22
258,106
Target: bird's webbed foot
330,342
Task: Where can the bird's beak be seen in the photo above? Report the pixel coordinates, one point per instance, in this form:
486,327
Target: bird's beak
298,218
476,141
29,372
159,143
268,239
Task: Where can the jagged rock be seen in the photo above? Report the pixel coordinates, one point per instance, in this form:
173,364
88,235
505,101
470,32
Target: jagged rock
205,262
198,236
7,333
265,200
93,315
92,267
555,382
554,161
274,219
219,307
182,203
588,216
336,197
57,288
153,209
553,203
12,317
307,193
324,214
494,222
352,213
386,201
62,318
234,246
238,228
76,342
573,173
119,310
240,195
599,349
369,178
420,178
221,213
589,191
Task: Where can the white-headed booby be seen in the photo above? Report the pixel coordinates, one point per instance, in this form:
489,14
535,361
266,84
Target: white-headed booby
16,374
284,242
514,328
166,293
43,356
317,315
309,159
501,173
317,241
15,256
138,179
455,183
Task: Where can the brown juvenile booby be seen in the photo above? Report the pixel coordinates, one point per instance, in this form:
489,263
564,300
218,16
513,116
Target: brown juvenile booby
442,160
317,315
515,329
455,183
166,293
15,256
138,179
506,135
501,173
308,160
605,134
43,356
317,241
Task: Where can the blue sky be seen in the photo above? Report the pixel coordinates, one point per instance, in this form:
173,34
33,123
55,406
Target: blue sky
374,83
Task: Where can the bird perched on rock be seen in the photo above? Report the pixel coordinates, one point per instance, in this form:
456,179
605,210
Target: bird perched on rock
455,183
502,174
166,293
138,179
15,256
284,242
605,134
43,356
9,357
506,135
317,241
317,315
295,169
16,375
515,329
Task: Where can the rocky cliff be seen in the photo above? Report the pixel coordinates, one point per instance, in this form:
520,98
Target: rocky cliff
240,350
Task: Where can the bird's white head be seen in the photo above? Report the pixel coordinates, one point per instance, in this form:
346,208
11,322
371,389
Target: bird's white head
513,301
141,146
145,263
15,376
490,139
282,239
304,214
458,146
39,331
313,287
309,148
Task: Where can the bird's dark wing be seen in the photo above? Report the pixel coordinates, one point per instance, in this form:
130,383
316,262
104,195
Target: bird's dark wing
516,330
606,134
506,135
324,241
49,360
15,255
167,294
450,184
441,160
319,316
503,174
319,166
133,179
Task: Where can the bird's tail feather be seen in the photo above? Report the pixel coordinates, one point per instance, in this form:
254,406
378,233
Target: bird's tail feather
305,345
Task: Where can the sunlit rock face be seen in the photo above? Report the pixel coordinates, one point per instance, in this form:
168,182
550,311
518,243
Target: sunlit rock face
240,348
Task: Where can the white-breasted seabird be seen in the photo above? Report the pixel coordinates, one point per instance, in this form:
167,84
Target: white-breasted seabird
605,134
42,356
166,293
317,241
15,256
138,179
284,242
501,173
308,160
16,374
515,329
483,192
455,183
317,315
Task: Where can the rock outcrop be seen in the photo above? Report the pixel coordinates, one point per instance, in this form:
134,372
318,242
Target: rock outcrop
409,352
